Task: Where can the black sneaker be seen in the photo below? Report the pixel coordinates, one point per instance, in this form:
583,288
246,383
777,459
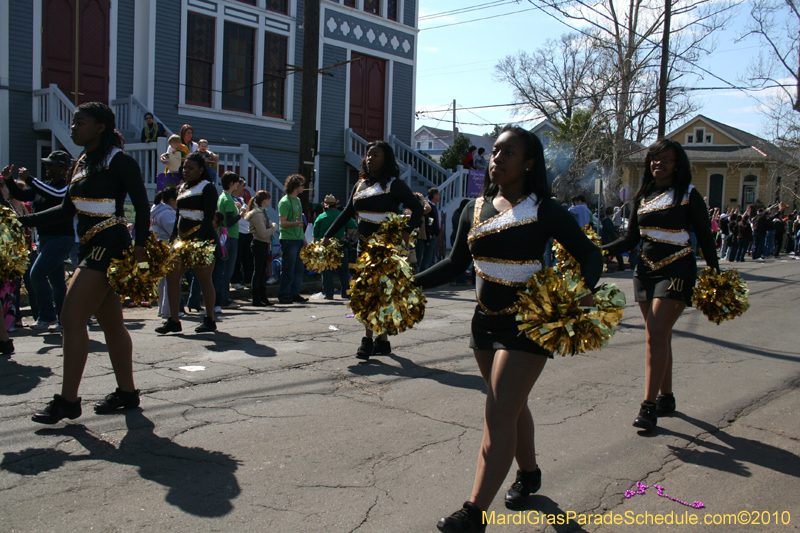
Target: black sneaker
169,326
526,484
299,299
647,418
7,347
119,399
382,347
57,409
366,349
468,519
665,404
208,326
285,301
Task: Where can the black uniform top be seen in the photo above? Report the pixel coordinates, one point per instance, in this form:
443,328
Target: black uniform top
370,201
43,196
508,247
90,195
197,203
664,230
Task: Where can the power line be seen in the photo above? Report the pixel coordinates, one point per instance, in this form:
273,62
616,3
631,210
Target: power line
480,19
495,3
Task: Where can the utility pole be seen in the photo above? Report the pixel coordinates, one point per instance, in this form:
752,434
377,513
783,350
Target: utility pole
308,101
662,82
455,130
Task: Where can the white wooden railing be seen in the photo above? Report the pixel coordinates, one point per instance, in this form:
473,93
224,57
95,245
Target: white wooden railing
418,165
237,159
52,111
355,148
130,114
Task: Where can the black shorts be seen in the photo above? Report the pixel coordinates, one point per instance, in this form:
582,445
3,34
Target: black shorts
651,286
103,247
500,332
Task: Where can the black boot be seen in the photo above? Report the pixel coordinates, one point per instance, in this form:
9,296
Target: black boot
382,347
665,404
119,399
468,519
57,409
526,484
366,349
647,418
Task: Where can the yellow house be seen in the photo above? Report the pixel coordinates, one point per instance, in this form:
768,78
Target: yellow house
730,167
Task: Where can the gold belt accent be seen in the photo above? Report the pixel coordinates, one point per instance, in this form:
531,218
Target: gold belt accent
667,260
97,228
188,233
510,310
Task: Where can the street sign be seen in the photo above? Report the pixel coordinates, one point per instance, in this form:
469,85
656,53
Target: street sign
624,194
598,186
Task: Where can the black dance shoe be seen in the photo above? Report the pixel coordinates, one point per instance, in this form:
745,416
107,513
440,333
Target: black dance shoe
468,519
299,299
57,409
526,484
665,404
169,326
119,399
366,349
382,348
208,326
647,418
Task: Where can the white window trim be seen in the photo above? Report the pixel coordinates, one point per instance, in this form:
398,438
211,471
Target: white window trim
748,172
216,112
706,133
358,11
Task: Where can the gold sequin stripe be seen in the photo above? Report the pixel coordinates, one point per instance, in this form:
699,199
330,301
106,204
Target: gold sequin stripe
667,260
498,229
477,224
107,223
510,310
189,233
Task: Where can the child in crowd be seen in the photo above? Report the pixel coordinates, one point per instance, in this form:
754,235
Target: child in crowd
175,155
211,158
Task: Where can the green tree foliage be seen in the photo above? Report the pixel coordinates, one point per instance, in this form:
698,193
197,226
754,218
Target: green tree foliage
495,133
453,156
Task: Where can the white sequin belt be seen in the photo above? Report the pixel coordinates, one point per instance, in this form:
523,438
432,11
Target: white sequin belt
192,214
506,271
375,218
95,207
677,237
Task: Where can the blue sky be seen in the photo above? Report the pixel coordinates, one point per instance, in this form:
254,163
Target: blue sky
457,62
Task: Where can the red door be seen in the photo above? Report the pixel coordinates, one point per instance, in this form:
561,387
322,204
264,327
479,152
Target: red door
75,44
367,96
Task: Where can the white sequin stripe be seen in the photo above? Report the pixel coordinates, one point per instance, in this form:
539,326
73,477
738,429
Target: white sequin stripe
376,218
525,212
679,237
191,214
83,172
663,201
505,272
194,191
97,207
375,190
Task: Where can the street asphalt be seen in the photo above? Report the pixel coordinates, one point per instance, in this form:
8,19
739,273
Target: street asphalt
272,425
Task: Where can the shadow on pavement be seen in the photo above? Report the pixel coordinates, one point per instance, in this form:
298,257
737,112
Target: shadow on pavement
409,369
225,341
19,379
734,452
199,482
547,513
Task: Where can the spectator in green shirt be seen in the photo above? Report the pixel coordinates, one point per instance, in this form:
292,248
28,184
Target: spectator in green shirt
226,204
321,225
292,240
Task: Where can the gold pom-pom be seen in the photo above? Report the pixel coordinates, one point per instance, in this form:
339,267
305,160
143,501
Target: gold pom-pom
317,257
139,281
610,303
550,314
720,295
567,263
383,294
13,247
193,254
391,231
